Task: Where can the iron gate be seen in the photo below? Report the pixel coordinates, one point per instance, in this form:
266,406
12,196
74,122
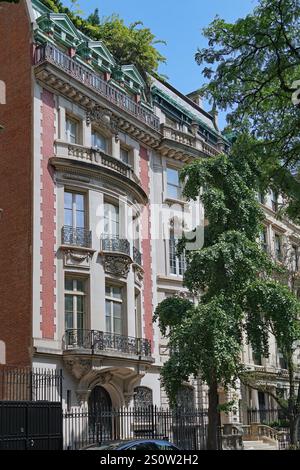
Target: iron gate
31,425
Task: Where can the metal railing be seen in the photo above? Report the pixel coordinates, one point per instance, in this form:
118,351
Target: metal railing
185,428
100,341
76,236
113,243
50,53
137,256
27,384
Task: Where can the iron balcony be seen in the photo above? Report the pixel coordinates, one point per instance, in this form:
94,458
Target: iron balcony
98,341
76,236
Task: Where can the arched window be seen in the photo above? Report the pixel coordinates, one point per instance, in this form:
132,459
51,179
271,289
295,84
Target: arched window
143,397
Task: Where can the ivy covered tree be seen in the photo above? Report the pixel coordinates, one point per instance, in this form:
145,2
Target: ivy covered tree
253,70
206,337
133,44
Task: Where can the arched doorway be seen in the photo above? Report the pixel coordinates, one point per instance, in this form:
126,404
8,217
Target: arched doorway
100,415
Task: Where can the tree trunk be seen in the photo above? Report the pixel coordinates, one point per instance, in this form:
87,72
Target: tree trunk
294,423
213,416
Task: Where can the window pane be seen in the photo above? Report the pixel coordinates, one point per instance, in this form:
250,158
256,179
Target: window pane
173,192
117,310
117,292
68,284
80,285
117,326
80,321
79,200
68,321
68,200
107,290
173,176
124,155
99,141
80,302
79,219
69,309
107,316
68,217
69,303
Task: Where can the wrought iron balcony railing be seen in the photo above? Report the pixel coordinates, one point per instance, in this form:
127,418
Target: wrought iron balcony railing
76,236
98,341
137,256
115,244
49,53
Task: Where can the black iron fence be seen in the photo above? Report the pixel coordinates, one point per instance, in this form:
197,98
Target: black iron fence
27,384
185,428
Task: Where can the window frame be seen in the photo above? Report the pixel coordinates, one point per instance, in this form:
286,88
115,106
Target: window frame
77,135
75,210
177,261
179,196
114,300
94,132
75,293
278,253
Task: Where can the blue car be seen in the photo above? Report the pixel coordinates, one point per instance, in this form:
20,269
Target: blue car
144,445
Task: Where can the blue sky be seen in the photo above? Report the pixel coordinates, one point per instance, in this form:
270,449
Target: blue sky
179,24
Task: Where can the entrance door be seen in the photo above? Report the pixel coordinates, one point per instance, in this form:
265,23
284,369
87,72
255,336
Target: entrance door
100,415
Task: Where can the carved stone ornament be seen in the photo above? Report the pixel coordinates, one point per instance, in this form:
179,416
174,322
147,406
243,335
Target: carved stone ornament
104,117
117,265
77,258
139,274
78,366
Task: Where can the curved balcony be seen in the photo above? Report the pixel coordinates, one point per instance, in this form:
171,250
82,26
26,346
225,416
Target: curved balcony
98,341
115,244
93,161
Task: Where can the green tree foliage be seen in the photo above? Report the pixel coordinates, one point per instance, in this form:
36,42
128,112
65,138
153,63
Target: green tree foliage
133,44
94,18
273,308
252,66
206,338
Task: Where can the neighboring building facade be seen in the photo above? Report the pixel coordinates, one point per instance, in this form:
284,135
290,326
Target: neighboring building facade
89,167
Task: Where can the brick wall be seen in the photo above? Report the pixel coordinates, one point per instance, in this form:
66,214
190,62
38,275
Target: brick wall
15,184
146,248
48,228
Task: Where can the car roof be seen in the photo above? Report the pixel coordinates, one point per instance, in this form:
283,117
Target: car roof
130,442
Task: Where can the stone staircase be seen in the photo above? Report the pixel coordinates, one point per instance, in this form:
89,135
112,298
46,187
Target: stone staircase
259,445
258,436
